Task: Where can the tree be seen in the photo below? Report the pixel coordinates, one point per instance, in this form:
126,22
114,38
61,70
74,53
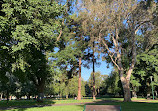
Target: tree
111,84
147,66
34,27
115,25
147,43
6,58
73,54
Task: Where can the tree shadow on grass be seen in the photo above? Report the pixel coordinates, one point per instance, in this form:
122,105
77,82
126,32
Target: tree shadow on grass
23,107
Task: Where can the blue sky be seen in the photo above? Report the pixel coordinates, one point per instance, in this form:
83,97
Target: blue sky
85,73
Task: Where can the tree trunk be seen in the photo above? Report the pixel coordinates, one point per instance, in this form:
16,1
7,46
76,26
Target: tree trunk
79,81
67,97
1,97
10,97
98,91
28,96
148,96
126,90
7,96
134,94
156,94
40,89
93,75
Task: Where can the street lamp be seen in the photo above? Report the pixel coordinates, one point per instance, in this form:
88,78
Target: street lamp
152,86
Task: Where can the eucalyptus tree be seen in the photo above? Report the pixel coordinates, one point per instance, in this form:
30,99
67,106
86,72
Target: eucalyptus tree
115,25
34,26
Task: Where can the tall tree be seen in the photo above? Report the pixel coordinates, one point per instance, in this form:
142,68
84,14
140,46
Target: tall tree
109,24
34,26
93,75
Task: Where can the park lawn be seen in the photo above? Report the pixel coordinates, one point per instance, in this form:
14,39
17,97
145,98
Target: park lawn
144,105
73,101
126,106
133,99
52,101
46,102
52,108
121,99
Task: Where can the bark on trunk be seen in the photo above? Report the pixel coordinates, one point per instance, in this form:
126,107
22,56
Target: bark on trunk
98,91
156,94
134,94
40,89
126,86
94,98
1,97
148,96
67,97
126,90
7,96
10,97
79,81
28,96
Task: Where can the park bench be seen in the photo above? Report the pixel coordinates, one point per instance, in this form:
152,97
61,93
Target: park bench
102,108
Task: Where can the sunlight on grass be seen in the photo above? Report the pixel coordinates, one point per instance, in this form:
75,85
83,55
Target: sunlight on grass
51,108
126,106
46,102
72,101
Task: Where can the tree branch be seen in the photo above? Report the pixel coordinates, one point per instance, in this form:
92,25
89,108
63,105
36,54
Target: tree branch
111,56
140,24
133,57
59,35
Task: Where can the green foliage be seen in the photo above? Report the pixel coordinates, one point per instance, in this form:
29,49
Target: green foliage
63,86
147,62
29,31
146,66
73,86
98,81
112,84
35,24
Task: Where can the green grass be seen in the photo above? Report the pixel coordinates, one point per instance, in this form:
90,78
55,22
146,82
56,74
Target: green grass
133,106
53,108
126,106
72,101
46,102
121,99
136,106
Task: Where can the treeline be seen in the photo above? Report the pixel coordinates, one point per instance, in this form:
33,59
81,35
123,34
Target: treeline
43,45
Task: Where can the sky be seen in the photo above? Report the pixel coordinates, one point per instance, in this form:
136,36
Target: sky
85,73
